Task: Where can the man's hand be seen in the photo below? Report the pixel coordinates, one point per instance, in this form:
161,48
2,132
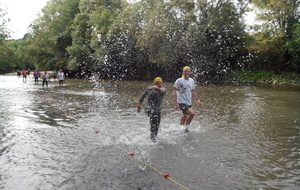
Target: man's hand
139,108
177,106
199,102
155,88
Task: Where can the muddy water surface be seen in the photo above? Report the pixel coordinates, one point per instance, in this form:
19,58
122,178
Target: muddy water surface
243,137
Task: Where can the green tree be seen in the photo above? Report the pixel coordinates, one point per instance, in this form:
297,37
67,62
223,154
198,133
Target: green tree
159,37
51,34
21,59
124,59
90,32
207,35
293,46
6,59
278,18
6,62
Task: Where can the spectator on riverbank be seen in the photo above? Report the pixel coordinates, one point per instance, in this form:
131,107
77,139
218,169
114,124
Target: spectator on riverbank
184,90
155,96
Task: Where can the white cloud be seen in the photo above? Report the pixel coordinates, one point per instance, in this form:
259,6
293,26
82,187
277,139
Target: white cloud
21,13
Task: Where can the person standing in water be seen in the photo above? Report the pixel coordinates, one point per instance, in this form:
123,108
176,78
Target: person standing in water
155,96
45,77
19,73
36,75
24,73
61,77
184,90
54,74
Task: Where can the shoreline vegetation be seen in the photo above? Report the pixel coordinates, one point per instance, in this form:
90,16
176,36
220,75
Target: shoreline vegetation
250,77
263,77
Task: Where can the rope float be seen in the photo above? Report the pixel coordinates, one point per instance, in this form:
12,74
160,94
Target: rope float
132,154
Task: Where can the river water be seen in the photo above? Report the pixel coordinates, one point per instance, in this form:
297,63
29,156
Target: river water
243,137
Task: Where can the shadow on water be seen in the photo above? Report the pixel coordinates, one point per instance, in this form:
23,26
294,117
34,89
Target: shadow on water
243,137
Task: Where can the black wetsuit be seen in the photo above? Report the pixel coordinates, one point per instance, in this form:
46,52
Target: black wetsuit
153,108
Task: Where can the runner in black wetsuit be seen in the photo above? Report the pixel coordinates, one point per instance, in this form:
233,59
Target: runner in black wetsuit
155,96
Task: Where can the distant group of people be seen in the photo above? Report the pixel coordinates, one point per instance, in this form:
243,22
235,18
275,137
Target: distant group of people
24,73
45,76
184,90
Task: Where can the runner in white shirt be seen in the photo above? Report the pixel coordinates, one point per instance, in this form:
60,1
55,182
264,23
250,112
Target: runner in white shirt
45,78
184,90
61,77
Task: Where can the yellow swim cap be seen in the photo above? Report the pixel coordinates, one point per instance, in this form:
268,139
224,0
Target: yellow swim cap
157,79
186,67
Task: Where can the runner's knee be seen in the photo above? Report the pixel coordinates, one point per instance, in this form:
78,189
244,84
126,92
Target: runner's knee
191,112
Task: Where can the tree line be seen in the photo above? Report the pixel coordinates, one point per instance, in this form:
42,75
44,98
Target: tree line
144,39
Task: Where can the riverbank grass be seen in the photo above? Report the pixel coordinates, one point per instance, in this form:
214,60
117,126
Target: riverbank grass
263,77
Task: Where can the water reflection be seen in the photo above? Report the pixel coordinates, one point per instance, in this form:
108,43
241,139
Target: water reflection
244,137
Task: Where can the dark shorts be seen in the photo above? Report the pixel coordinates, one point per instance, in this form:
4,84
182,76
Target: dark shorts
184,108
95,85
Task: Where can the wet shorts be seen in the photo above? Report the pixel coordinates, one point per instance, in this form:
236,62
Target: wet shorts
95,85
184,108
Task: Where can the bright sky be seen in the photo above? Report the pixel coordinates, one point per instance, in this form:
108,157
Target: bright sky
21,14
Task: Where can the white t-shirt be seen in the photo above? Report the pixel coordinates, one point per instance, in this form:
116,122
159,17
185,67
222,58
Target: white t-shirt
45,77
184,90
61,76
